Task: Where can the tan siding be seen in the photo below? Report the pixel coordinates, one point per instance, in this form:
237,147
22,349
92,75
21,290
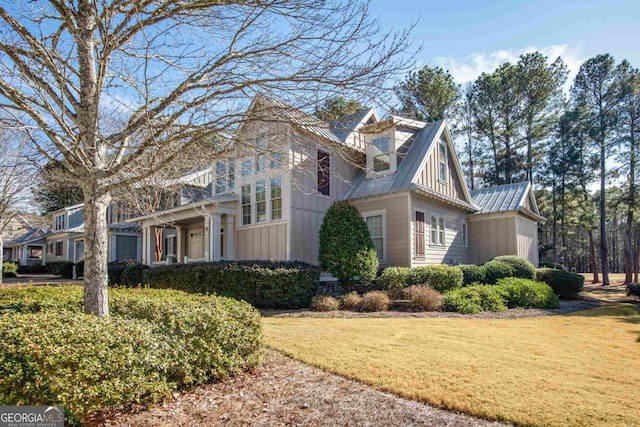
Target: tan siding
264,242
528,240
396,223
453,252
429,178
65,249
490,237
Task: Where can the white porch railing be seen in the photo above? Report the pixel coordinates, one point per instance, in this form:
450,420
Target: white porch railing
34,261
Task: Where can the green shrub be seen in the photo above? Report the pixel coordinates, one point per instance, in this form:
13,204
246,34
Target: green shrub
9,269
393,278
346,248
526,293
261,283
423,298
565,284
80,268
133,275
474,299
154,341
439,277
521,267
471,273
375,301
496,270
551,264
33,269
633,290
351,301
60,268
115,270
324,303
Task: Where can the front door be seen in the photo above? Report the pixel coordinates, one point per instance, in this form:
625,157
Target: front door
196,244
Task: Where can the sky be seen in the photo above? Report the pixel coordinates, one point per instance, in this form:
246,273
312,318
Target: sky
468,37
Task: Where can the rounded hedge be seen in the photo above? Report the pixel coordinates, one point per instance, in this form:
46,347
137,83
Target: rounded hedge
471,273
324,303
9,269
526,293
393,278
496,270
474,299
565,284
521,267
440,277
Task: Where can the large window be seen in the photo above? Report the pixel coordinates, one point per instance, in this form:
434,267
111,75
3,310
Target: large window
419,234
50,248
245,167
276,160
465,234
438,231
170,246
381,155
231,173
442,160
376,229
261,202
261,158
59,223
246,204
276,198
59,248
221,177
324,172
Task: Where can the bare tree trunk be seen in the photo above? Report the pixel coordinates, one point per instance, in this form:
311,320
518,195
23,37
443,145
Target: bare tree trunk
637,256
628,249
158,252
604,250
95,252
592,256
554,237
1,252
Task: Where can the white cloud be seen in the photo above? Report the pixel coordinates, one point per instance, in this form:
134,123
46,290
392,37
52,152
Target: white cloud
468,68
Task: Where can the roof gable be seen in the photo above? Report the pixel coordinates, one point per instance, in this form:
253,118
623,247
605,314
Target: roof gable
507,198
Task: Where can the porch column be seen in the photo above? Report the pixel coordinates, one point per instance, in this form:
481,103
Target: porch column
146,259
215,222
179,251
139,247
230,237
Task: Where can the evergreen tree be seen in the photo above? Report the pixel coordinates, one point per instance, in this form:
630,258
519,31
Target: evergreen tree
427,94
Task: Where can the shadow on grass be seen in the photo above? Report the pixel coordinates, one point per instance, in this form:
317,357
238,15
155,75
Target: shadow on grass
627,312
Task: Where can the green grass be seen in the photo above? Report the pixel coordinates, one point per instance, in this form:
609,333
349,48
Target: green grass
581,369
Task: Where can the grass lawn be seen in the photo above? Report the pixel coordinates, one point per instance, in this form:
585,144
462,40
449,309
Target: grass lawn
580,369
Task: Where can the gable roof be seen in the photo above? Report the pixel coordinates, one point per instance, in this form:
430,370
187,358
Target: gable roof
506,198
31,236
408,169
346,125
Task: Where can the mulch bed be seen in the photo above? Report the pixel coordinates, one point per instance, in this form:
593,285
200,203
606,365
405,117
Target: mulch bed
284,392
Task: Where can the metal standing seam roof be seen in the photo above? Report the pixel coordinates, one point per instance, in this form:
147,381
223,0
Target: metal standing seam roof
502,198
345,126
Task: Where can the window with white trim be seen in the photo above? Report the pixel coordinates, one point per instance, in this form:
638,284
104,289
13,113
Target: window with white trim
438,231
231,173
276,160
419,234
261,158
59,248
381,154
465,234
276,198
170,245
261,202
50,247
59,223
221,177
246,204
442,160
375,223
245,167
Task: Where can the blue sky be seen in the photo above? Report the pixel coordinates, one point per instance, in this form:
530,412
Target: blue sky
468,37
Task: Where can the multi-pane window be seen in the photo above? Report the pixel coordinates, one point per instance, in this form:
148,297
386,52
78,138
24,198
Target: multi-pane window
59,223
245,167
442,160
49,248
261,158
261,202
381,155
438,230
419,234
231,173
221,177
465,234
276,198
59,248
276,160
375,224
246,204
170,245
324,172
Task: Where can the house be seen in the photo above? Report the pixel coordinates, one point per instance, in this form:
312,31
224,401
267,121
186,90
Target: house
268,193
23,238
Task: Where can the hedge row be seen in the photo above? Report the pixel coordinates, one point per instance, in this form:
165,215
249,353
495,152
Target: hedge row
439,277
155,341
565,284
263,284
59,268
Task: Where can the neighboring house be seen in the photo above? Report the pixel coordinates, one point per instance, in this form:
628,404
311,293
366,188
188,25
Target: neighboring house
23,239
267,196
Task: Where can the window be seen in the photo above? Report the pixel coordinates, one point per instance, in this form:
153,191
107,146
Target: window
381,155
261,202
375,224
170,246
465,234
261,158
59,223
50,248
442,160
221,177
276,198
419,234
324,172
276,160
246,204
245,167
59,248
231,173
437,231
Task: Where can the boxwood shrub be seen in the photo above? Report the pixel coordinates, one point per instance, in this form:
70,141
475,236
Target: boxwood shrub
261,283
472,273
565,284
439,277
521,267
474,299
526,293
9,269
153,342
393,278
496,270
60,268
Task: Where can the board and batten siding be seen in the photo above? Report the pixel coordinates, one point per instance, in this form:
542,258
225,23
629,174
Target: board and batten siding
429,176
453,252
528,240
262,242
395,228
491,236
